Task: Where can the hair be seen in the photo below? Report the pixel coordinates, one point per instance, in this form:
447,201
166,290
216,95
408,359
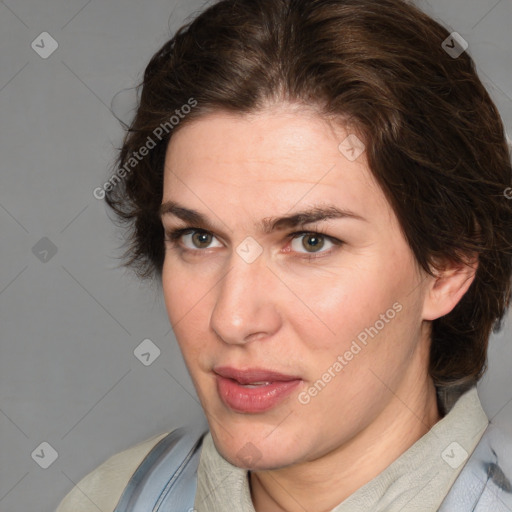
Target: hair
434,139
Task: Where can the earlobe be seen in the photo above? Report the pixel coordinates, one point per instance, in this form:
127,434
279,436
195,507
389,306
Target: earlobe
447,288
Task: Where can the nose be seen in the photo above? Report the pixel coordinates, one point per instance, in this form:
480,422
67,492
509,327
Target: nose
246,306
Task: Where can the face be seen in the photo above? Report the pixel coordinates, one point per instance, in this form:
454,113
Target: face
294,328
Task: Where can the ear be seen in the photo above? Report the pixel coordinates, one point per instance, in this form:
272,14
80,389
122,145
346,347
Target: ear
447,287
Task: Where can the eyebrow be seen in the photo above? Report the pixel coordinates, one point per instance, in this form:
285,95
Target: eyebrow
267,225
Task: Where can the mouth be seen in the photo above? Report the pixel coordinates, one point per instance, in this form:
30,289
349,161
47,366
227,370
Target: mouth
253,390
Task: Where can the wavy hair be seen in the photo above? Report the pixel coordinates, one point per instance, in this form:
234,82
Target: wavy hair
434,139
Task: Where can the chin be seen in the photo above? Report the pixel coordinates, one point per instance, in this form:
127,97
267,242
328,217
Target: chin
253,459
248,449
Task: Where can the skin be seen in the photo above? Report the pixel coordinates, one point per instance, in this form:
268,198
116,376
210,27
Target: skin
296,315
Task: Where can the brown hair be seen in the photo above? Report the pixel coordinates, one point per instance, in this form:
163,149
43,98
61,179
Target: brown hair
434,139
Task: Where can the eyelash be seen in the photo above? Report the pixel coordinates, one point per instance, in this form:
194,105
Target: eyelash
174,236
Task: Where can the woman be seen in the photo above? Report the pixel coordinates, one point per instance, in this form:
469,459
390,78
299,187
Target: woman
320,186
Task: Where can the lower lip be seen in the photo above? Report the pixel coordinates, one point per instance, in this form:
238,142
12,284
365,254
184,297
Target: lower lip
253,400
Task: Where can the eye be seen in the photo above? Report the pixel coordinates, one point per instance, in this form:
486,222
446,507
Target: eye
192,239
312,242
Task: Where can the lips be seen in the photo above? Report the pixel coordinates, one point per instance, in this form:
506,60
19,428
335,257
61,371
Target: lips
253,375
253,390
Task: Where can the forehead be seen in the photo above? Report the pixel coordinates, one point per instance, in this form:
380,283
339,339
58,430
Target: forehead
283,155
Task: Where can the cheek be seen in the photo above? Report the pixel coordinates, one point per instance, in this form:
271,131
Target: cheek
185,290
367,315
335,309
185,299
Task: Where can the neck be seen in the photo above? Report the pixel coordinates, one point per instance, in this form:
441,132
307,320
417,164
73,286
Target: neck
322,484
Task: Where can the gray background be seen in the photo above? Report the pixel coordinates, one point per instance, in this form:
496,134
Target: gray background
70,324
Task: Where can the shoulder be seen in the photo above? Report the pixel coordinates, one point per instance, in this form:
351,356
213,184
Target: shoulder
485,482
102,488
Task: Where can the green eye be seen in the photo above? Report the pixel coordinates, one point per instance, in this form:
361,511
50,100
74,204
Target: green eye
201,239
310,242
314,241
191,239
